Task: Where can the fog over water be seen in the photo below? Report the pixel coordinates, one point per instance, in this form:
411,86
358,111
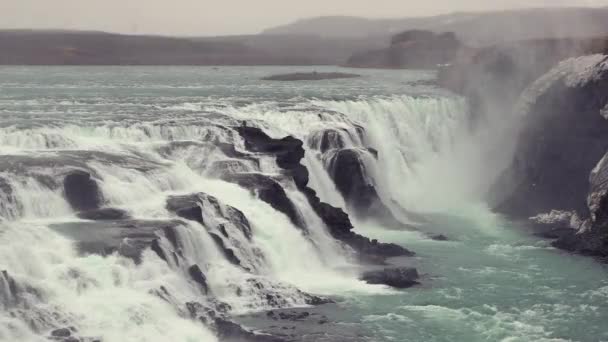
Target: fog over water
195,17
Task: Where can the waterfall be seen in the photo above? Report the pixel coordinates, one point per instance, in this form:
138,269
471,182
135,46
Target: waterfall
134,267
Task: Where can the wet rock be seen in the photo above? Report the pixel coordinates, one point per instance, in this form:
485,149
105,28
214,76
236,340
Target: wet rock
228,252
395,277
373,152
227,226
320,323
187,207
337,221
269,191
439,237
81,191
372,251
62,332
226,329
191,207
104,214
9,290
288,151
10,208
199,277
348,172
230,166
328,139
127,237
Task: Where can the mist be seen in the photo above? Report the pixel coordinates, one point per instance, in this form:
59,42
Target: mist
230,17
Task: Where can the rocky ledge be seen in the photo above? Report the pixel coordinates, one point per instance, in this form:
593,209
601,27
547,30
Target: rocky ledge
401,277
288,153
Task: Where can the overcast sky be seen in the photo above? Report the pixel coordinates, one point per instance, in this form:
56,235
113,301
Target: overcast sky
211,17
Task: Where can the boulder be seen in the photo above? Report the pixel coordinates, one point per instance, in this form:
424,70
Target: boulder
81,191
400,278
439,237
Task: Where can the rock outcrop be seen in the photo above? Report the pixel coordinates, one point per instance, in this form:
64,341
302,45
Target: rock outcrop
227,226
411,50
81,191
269,191
289,152
347,169
563,136
561,107
563,140
400,278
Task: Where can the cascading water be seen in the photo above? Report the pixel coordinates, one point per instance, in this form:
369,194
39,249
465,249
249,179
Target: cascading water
184,225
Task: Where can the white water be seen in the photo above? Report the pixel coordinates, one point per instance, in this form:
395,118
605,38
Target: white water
155,142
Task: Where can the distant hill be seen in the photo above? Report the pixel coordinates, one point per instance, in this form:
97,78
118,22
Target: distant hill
317,41
484,28
41,47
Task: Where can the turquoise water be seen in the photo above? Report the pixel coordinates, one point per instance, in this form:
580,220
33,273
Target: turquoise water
491,282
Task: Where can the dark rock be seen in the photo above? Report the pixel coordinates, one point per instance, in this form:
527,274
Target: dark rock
226,329
294,315
310,76
199,277
105,214
62,332
563,138
227,251
269,191
373,152
318,323
187,207
327,139
348,171
127,237
227,226
288,150
289,153
81,191
395,277
439,237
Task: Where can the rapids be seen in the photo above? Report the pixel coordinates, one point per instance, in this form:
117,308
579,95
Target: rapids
147,134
